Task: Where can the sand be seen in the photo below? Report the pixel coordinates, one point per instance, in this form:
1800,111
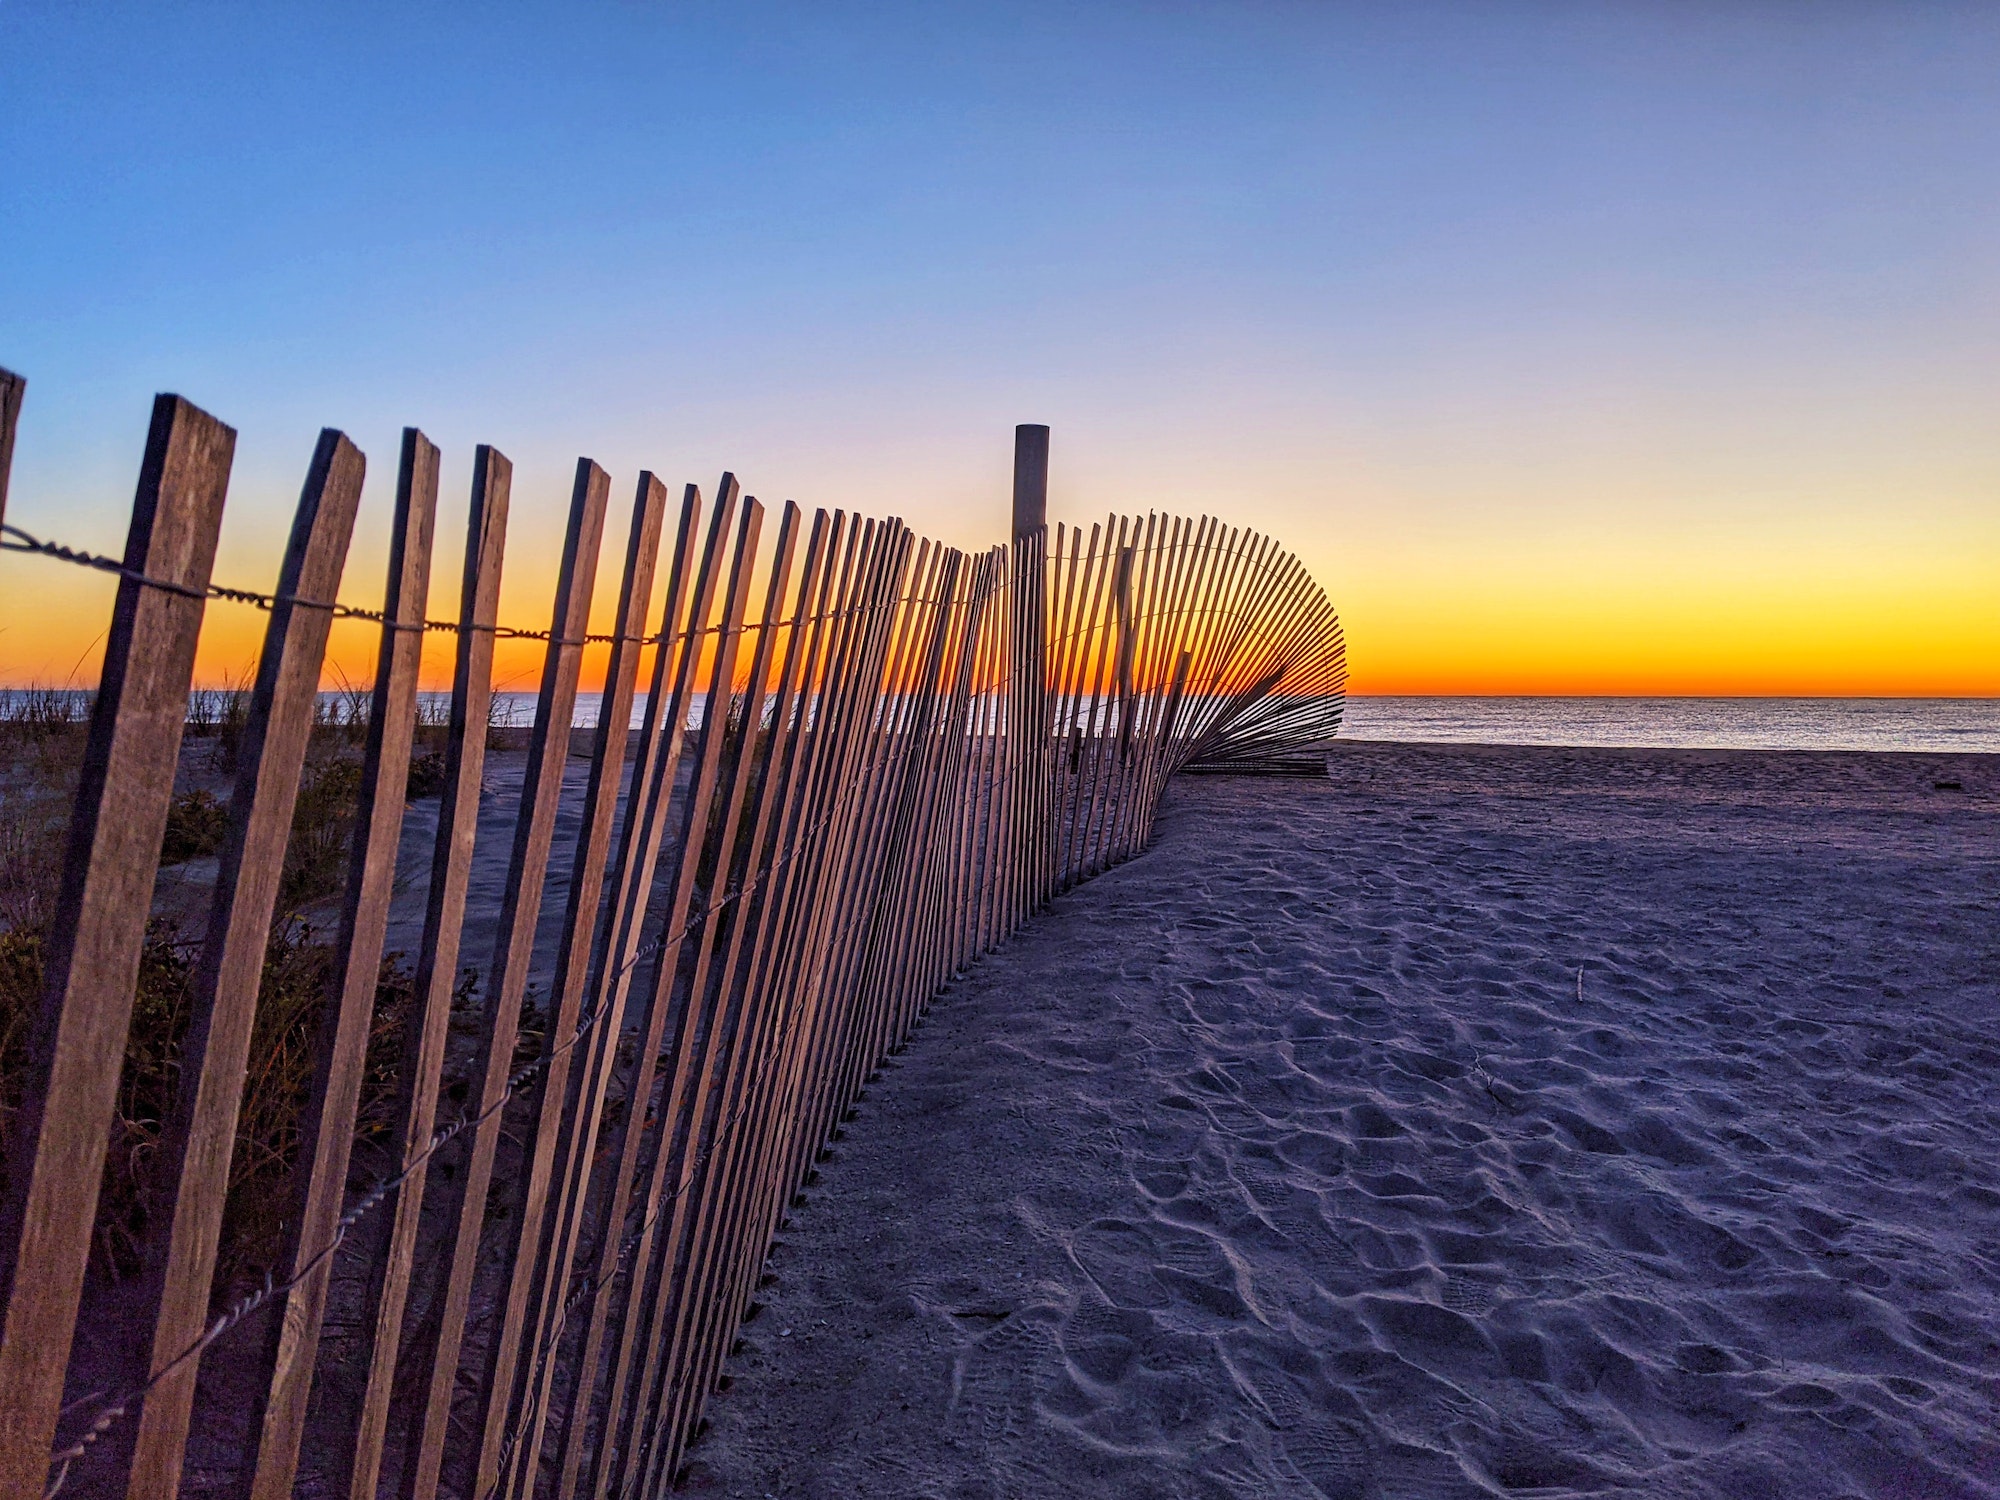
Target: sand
1475,1122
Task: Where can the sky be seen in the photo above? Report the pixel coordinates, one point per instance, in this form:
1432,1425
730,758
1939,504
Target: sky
1575,348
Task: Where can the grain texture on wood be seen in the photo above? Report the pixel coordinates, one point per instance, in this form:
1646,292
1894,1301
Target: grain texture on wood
196,1147
59,1137
607,764
392,1257
464,1195
277,1421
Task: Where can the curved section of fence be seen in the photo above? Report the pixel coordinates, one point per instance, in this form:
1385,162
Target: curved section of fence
863,759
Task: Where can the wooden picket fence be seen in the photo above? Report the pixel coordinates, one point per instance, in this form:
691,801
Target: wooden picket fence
864,760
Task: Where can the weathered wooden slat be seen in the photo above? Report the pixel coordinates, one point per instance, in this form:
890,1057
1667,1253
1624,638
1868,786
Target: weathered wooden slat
904,966
464,1198
985,767
277,1423
793,839
572,959
852,727
1106,704
1163,564
1163,698
200,1135
837,1074
864,730
1092,677
723,1191
829,1085
680,1174
954,811
835,717
843,1067
392,1256
61,1133
1062,701
687,1015
1221,588
885,954
842,796
675,665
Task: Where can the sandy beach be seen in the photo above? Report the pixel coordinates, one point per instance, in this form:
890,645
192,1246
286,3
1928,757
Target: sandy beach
1476,1121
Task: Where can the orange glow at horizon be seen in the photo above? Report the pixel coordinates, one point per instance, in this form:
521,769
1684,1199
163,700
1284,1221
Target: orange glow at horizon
1879,631
1868,611
1680,623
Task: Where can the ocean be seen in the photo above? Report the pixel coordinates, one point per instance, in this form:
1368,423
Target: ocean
1960,724
1686,723
1657,723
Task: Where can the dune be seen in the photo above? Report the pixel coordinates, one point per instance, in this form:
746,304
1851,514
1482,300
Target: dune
1478,1121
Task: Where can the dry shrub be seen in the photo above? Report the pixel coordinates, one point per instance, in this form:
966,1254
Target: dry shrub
42,734
41,742
322,829
197,824
285,1038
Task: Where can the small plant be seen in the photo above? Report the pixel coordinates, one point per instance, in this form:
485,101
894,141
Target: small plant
42,734
197,824
344,712
220,714
432,736
20,995
427,776
40,713
499,719
322,825
298,970
208,710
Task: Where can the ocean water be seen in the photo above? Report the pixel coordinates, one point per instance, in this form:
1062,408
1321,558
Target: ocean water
1659,723
1961,724
1686,723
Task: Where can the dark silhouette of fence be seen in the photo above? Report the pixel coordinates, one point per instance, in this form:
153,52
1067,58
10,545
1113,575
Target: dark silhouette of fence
864,759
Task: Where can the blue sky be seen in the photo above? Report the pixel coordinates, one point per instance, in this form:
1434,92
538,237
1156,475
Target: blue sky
1495,312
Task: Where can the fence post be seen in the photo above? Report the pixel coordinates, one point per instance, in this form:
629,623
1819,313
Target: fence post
12,388
1027,727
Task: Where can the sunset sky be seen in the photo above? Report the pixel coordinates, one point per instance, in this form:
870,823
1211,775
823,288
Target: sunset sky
1577,348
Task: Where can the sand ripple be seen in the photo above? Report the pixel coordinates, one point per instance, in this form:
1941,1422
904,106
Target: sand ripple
1476,1123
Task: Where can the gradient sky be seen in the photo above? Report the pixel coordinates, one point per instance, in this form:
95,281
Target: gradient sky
1575,347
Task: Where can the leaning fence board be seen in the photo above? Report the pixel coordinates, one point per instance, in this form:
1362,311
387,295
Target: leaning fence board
616,955
390,1261
507,977
277,1420
579,922
677,1164
686,1091
61,1133
201,1134
663,1004
828,811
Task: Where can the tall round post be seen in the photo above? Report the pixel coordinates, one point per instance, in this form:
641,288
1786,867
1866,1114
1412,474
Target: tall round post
13,387
1031,478
1028,694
